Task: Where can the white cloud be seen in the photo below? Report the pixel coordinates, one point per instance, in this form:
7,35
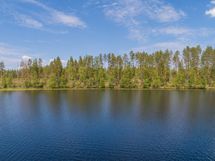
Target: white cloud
211,12
158,10
59,17
64,62
134,14
44,18
26,57
68,20
161,11
125,11
28,21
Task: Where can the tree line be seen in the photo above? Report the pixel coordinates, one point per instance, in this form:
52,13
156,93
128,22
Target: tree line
191,68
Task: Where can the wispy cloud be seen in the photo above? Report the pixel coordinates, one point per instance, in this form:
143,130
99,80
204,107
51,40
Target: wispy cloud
69,20
134,14
125,13
161,11
157,10
28,21
137,15
180,38
59,17
153,23
45,18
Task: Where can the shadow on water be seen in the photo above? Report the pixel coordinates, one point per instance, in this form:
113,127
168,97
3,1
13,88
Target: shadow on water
153,104
143,104
54,101
120,102
84,102
30,103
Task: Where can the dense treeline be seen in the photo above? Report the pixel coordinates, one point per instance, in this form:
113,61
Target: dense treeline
193,68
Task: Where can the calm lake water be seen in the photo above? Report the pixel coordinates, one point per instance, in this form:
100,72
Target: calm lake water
107,125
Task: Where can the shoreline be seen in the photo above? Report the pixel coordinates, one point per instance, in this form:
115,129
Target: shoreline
113,89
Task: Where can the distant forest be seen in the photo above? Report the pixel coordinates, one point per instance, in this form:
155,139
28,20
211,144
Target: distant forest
192,68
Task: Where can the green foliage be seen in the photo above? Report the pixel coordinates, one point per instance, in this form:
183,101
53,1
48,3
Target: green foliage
7,81
156,83
193,68
56,77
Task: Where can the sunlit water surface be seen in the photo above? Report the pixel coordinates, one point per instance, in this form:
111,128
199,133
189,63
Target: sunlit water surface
107,125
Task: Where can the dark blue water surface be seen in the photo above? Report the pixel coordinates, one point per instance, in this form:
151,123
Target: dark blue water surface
107,125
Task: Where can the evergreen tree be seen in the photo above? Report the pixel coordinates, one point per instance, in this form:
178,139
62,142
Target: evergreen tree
193,68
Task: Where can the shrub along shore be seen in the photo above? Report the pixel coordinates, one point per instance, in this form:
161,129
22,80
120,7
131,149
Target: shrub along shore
193,68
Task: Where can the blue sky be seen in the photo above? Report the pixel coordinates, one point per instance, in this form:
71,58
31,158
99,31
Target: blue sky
49,28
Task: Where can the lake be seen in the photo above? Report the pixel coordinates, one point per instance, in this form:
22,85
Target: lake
107,125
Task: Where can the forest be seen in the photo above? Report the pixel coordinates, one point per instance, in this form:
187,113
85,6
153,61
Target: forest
191,68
